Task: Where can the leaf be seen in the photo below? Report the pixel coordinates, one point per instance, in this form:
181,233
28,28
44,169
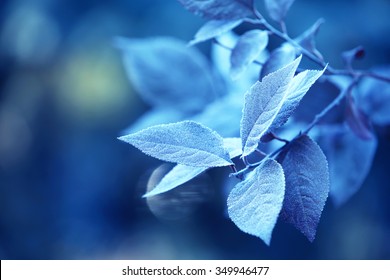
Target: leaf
374,97
229,124
247,49
297,89
350,159
307,39
179,175
153,117
263,102
214,28
186,142
233,146
220,9
166,73
307,184
255,203
221,60
279,58
357,120
277,9
221,56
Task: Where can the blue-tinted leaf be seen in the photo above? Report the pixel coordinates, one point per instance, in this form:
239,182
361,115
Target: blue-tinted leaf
179,175
220,9
374,97
247,49
277,9
297,89
307,39
357,120
154,117
279,58
233,146
307,184
223,115
166,73
186,142
221,56
214,28
350,159
255,203
221,59
262,104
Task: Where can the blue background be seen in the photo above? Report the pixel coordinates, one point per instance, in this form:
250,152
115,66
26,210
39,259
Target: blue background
70,190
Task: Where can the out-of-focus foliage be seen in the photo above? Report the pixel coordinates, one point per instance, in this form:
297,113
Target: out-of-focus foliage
70,190
187,87
214,28
374,98
248,48
220,9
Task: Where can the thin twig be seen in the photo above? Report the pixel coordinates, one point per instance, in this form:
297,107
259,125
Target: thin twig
328,108
287,38
329,70
260,152
233,168
375,76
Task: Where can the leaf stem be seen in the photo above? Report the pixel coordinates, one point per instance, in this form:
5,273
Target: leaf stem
233,168
279,138
260,152
240,174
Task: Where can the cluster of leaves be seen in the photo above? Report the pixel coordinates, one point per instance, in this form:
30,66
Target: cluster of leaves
290,182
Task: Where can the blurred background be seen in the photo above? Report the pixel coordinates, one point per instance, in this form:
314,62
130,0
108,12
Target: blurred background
70,190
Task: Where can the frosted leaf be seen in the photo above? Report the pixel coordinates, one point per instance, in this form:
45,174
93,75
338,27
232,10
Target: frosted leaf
186,142
255,203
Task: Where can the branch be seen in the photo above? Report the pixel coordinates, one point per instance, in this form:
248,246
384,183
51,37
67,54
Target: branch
329,70
328,108
375,76
284,36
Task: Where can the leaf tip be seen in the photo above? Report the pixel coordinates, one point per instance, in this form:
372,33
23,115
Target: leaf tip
192,43
148,194
311,237
266,240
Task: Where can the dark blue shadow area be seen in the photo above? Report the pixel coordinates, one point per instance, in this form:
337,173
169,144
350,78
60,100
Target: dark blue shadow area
70,190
